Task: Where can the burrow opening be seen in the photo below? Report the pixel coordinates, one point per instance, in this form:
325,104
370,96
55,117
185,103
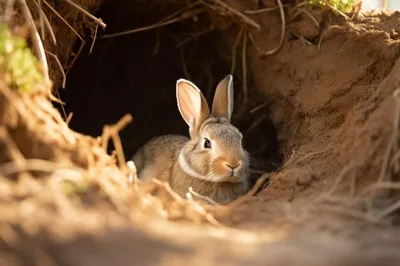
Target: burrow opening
137,74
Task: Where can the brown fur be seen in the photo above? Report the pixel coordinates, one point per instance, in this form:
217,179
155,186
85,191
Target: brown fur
154,159
161,157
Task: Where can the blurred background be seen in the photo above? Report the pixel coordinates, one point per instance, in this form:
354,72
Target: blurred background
391,5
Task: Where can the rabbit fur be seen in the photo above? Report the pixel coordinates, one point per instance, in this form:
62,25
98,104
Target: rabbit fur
212,161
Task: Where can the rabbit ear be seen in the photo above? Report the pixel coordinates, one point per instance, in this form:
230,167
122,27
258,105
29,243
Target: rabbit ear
191,103
223,99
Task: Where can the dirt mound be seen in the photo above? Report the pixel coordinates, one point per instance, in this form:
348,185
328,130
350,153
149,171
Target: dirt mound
327,100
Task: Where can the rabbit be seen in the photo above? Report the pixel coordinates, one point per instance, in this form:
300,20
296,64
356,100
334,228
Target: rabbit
212,161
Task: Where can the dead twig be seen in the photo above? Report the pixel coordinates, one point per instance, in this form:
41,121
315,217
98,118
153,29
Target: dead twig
239,14
168,188
160,24
111,131
262,10
55,99
97,20
202,211
119,149
302,10
180,11
312,154
301,4
48,25
60,67
338,11
205,198
62,19
259,107
94,36
189,207
298,36
389,210
68,120
283,27
236,203
123,122
290,158
75,57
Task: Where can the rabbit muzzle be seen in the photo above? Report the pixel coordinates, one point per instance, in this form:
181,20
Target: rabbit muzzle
230,169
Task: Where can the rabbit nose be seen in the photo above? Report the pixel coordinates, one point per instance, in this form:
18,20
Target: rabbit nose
233,167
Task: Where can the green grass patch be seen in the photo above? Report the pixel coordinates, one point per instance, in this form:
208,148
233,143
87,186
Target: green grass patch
17,62
341,5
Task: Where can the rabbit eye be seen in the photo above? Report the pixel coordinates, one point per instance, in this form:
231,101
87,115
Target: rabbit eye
207,143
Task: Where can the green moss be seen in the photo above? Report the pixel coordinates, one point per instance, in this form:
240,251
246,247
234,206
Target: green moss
73,188
17,62
341,5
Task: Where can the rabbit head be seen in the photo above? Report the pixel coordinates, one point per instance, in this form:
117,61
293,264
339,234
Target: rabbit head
215,151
